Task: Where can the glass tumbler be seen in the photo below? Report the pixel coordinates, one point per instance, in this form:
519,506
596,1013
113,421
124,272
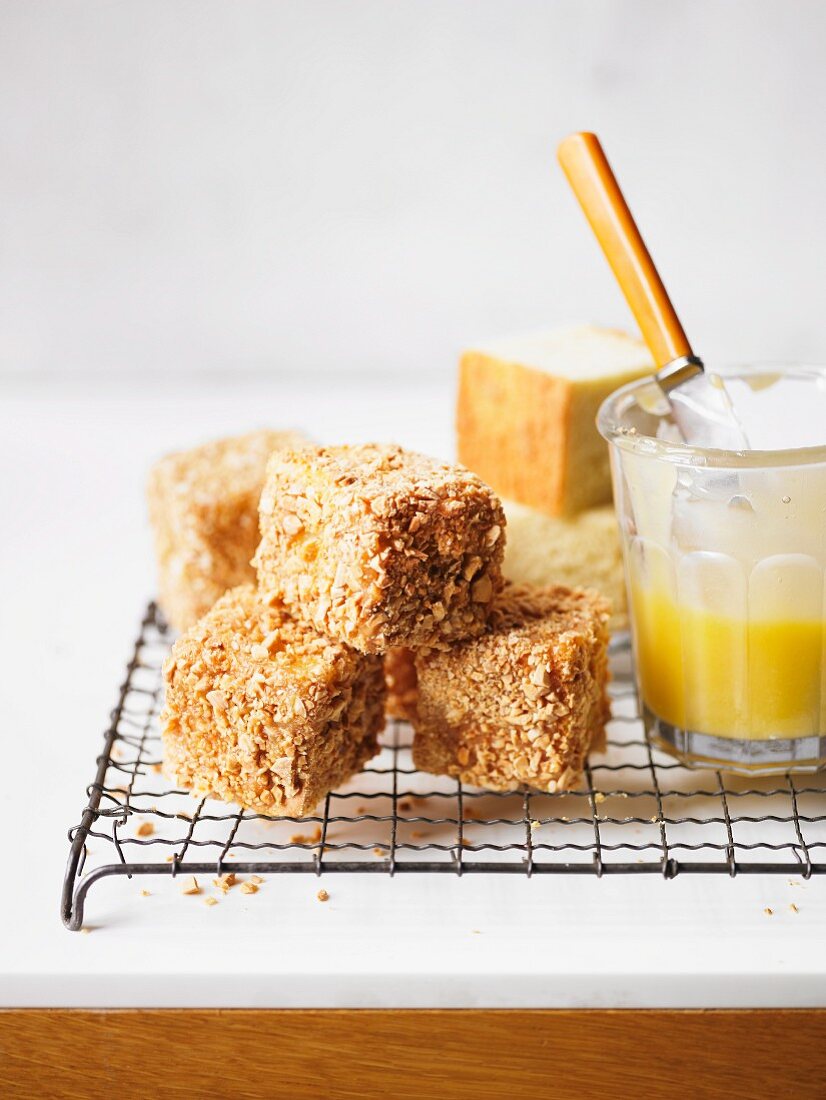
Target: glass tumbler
725,565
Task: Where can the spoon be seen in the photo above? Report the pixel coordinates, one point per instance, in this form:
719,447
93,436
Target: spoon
698,401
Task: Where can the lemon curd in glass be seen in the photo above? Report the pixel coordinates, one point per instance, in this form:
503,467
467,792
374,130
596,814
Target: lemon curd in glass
725,559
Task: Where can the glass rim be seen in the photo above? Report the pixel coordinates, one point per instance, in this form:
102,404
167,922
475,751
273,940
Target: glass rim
610,427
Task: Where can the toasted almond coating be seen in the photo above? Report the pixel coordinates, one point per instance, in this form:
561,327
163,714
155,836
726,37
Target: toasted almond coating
203,507
273,731
380,547
520,706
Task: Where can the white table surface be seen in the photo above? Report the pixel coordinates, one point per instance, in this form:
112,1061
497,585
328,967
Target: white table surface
76,557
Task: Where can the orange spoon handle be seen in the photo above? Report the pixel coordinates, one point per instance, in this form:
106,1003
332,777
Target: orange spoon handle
595,186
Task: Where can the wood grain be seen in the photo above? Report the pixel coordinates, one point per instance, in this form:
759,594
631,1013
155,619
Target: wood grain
412,1054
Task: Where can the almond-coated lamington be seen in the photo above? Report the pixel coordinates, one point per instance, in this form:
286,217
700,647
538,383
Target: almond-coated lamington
263,711
522,705
380,547
203,507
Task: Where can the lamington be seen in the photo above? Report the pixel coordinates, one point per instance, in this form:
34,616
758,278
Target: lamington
263,711
380,547
521,705
578,551
203,508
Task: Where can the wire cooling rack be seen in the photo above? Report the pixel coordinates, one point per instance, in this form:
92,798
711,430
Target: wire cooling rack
638,811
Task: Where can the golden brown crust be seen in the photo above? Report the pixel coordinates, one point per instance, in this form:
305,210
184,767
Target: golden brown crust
400,675
203,508
263,711
521,705
526,414
379,546
512,427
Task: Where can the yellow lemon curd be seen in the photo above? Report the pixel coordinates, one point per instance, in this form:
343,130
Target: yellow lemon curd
729,676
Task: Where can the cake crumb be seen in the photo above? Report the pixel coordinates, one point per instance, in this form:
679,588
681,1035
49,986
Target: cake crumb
322,895
86,930
256,879
379,852
157,768
599,797
793,908
768,912
190,886
210,901
535,824
145,894
169,859
249,888
304,838
146,828
225,881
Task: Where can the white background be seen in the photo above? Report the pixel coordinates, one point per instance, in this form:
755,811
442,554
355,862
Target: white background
369,186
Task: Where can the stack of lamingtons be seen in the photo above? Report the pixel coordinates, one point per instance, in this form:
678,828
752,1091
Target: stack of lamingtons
367,555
